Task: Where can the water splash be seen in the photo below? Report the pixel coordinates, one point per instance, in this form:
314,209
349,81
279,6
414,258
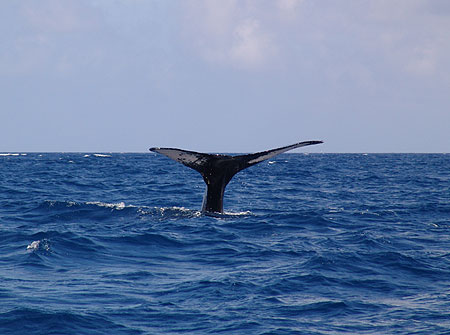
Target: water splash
39,245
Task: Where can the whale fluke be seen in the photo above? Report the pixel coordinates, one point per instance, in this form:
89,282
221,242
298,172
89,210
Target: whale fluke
217,170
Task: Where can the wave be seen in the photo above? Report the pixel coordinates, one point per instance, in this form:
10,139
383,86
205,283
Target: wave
56,204
93,209
73,209
33,321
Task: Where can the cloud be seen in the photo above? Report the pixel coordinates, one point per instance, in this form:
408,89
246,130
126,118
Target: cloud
408,38
289,5
251,46
55,16
71,37
423,61
230,32
413,34
50,38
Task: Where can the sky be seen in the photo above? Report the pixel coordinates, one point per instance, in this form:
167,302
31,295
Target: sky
224,76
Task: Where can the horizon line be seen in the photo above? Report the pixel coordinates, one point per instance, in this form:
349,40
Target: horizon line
287,153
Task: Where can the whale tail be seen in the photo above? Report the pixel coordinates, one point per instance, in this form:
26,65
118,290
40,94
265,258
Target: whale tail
217,170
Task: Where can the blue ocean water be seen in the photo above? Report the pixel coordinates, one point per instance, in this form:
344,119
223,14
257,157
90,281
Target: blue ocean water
310,244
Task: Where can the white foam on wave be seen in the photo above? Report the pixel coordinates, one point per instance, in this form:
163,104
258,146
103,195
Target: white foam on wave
169,212
175,212
33,245
118,206
52,203
9,154
39,245
230,214
182,210
335,209
101,155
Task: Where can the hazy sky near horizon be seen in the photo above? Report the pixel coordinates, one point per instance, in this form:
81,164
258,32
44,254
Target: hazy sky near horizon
225,75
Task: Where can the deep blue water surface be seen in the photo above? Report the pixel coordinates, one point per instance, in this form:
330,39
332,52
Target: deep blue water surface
311,244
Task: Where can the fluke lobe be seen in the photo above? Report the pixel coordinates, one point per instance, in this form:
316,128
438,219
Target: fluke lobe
217,170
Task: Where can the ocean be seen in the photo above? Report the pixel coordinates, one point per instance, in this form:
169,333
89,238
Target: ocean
310,244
